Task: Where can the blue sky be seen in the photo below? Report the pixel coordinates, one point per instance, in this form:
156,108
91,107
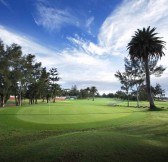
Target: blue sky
85,39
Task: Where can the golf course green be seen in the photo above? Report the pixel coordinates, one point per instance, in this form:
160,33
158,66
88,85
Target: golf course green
69,112
84,130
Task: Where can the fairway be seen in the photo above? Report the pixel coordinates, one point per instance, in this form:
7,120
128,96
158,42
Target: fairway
84,130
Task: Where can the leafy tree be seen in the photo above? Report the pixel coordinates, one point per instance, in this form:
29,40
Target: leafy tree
104,95
158,91
4,74
83,93
53,79
31,78
126,81
88,92
43,83
144,46
16,66
27,78
111,95
10,61
74,91
22,76
121,95
134,70
137,70
155,70
65,92
34,86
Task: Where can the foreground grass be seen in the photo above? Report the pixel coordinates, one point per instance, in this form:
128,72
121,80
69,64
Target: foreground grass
83,131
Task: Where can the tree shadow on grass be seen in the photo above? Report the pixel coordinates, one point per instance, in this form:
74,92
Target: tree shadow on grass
146,108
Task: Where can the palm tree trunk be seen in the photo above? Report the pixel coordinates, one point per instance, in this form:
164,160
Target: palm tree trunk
150,98
137,95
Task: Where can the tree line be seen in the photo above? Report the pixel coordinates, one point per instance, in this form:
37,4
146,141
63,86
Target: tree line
85,93
24,78
157,91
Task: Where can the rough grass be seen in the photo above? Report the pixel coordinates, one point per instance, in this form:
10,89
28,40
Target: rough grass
84,130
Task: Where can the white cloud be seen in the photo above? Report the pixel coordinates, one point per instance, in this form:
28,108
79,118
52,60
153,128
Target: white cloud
119,26
89,23
28,45
53,18
74,65
117,29
86,62
87,46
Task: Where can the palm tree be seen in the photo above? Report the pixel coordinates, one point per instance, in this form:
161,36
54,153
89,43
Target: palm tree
93,91
145,45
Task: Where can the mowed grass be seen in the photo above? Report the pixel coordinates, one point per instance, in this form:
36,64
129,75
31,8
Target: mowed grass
69,112
83,130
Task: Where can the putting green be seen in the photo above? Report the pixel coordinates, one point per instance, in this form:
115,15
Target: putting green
68,113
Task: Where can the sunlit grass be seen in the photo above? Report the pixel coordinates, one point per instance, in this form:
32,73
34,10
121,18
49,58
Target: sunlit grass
83,130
